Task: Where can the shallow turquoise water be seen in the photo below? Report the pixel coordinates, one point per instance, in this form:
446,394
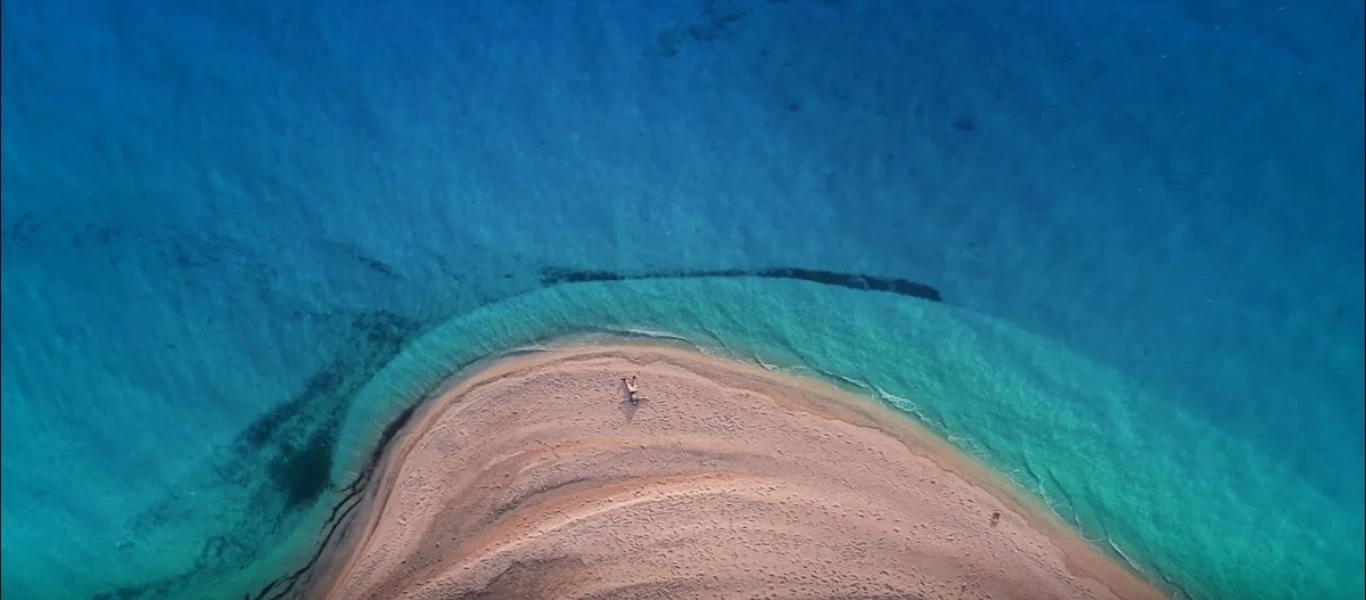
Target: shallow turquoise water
237,243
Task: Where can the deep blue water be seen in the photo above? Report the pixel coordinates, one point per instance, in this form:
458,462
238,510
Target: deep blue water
239,238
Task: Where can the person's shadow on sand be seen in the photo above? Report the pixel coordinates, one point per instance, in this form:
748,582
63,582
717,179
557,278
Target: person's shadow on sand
629,408
633,400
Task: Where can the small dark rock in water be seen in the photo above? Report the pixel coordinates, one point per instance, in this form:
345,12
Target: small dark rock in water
965,123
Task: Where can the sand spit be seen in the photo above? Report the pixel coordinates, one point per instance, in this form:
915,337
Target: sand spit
535,478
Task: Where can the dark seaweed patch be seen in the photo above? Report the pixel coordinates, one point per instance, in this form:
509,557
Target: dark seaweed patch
301,472
894,285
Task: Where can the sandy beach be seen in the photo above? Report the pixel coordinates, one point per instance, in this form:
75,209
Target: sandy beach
535,478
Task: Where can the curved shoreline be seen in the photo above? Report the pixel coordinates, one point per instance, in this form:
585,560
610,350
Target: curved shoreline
726,435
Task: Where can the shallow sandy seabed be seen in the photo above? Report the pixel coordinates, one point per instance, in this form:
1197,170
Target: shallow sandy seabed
535,478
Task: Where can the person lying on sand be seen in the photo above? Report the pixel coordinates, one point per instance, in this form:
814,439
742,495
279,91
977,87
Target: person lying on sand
631,390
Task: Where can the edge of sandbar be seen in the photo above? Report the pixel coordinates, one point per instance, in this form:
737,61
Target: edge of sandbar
800,393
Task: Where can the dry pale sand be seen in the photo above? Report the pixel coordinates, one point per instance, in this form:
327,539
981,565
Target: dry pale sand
534,478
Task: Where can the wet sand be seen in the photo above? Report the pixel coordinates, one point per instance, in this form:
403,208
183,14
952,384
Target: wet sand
534,477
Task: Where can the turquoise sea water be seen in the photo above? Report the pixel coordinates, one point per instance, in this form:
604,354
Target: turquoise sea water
240,239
